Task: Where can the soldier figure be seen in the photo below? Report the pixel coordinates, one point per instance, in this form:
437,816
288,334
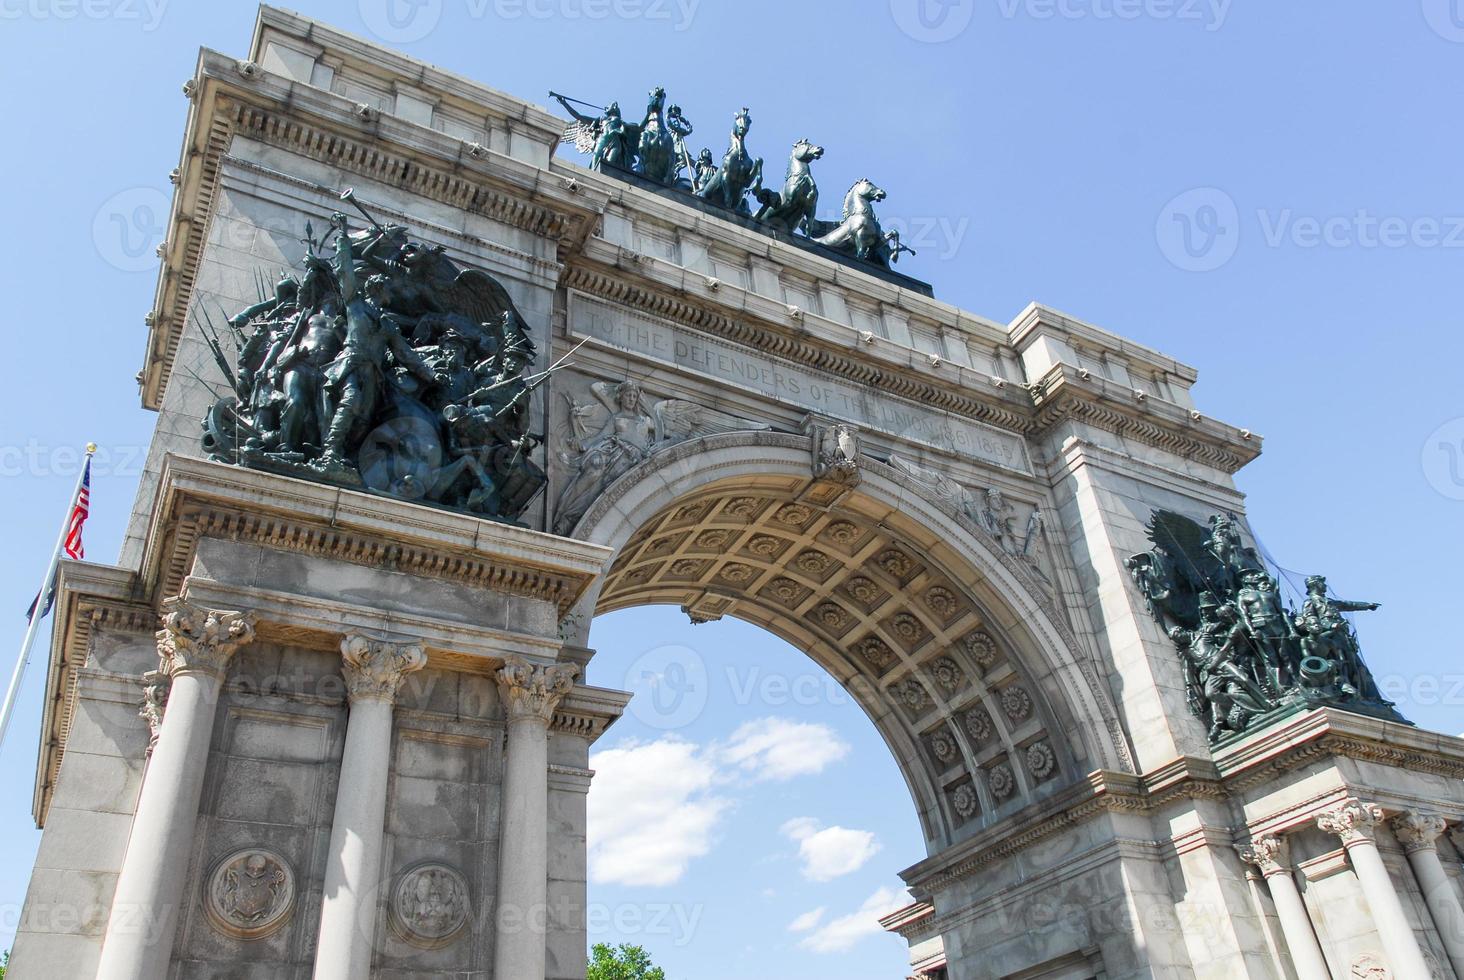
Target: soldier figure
1221,690
1325,633
356,378
299,373
1268,627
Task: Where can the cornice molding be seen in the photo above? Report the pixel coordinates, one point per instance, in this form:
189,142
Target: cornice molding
1030,411
199,499
771,337
1066,394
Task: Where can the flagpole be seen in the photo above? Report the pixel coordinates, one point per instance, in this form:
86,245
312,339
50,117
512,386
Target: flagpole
40,611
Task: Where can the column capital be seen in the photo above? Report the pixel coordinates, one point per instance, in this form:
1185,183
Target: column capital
531,691
1417,831
1354,821
1269,853
374,669
196,640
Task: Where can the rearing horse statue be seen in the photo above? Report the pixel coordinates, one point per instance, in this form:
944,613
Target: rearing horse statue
739,171
859,232
657,154
795,206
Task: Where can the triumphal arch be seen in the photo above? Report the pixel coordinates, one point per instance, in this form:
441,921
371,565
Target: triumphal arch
440,375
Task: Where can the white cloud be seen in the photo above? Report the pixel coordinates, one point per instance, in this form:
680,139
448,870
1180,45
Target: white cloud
654,807
830,852
651,811
807,920
839,935
778,749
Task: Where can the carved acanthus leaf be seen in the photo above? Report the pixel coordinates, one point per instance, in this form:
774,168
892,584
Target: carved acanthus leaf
533,691
198,640
375,669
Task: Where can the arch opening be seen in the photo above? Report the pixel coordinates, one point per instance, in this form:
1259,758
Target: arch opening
949,653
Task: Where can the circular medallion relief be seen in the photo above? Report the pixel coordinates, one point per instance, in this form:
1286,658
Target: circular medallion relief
251,894
430,905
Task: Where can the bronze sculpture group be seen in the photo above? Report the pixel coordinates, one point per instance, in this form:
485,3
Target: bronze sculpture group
1245,655
655,149
385,366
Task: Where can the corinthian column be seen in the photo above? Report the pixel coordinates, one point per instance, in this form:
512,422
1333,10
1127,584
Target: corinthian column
195,646
1270,855
374,671
1418,833
530,694
1356,824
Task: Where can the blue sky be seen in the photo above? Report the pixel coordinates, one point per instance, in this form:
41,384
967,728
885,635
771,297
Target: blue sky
1267,191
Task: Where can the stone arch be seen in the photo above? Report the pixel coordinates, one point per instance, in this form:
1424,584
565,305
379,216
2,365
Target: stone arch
948,644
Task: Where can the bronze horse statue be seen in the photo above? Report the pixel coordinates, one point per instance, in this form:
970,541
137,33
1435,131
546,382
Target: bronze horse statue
659,154
739,171
859,232
795,206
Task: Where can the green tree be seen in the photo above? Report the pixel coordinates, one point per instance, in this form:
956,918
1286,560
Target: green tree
625,962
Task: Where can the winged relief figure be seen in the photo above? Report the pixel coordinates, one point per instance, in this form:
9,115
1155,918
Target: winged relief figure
619,429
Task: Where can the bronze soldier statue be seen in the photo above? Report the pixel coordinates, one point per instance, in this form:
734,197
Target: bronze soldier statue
356,378
1325,633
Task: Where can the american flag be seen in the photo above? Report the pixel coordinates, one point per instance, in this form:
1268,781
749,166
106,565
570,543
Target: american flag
79,514
72,546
